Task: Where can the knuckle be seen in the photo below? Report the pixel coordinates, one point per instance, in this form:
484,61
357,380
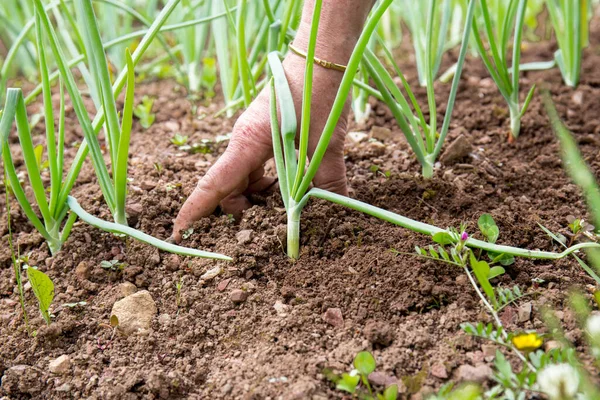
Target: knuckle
333,184
209,184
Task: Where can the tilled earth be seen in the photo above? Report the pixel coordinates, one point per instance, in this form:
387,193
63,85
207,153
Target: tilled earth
278,336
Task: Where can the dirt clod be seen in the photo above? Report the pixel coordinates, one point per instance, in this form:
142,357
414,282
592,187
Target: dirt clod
457,150
379,333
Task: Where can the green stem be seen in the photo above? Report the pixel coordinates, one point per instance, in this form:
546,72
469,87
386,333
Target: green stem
141,236
515,120
431,230
427,170
293,230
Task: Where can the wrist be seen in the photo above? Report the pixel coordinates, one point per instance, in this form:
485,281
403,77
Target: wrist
340,26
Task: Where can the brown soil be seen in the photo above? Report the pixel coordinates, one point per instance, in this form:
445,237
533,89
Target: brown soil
209,347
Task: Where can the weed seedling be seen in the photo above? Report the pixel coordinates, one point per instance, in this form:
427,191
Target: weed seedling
356,382
113,265
43,289
144,112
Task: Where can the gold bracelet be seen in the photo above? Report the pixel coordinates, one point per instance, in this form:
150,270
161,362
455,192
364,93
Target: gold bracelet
322,63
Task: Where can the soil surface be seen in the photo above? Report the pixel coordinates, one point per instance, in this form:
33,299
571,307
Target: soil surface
275,342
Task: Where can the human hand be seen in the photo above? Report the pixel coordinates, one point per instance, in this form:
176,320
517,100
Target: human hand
240,170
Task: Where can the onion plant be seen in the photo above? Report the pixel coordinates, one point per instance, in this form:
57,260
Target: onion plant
294,176
497,31
570,19
422,136
428,22
55,210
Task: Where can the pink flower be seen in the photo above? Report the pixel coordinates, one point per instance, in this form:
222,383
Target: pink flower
464,236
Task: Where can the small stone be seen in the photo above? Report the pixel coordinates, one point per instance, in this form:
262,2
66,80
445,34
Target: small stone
376,148
380,133
135,312
223,284
60,365
333,316
211,274
378,332
479,374
225,390
281,308
578,98
382,379
524,312
164,319
82,271
439,371
127,289
358,137
458,149
238,296
245,236
462,280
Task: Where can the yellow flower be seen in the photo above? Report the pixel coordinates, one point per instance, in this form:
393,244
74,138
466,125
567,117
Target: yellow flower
527,341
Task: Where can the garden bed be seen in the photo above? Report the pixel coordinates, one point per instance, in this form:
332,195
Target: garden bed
275,343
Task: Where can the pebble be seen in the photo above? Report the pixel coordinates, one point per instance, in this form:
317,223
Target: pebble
281,308
245,236
439,371
524,312
478,374
164,319
379,332
135,312
380,133
223,284
60,365
211,274
238,296
458,149
333,316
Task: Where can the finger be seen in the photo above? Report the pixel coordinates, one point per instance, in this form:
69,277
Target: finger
246,152
258,182
331,175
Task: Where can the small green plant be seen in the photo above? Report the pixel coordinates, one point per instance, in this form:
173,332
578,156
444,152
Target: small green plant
356,382
143,112
43,289
178,287
179,140
113,265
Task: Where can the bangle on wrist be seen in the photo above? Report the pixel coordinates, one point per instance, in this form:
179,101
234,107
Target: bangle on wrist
318,61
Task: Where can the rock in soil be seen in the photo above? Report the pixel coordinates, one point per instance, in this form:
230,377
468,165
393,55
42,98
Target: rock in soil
382,379
238,296
245,236
61,365
524,312
439,371
469,373
333,316
379,332
458,149
134,312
